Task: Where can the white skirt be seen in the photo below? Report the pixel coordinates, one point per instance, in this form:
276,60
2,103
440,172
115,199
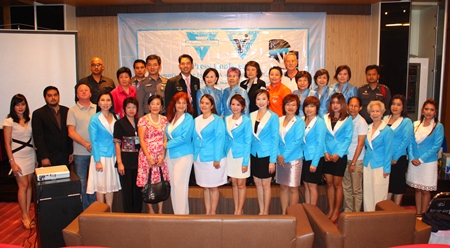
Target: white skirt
103,182
234,166
207,176
423,177
27,164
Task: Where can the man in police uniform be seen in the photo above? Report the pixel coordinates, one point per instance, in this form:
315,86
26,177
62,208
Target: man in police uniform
151,85
373,91
183,82
139,72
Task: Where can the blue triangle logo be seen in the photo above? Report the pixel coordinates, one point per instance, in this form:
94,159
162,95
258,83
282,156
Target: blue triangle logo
242,41
202,49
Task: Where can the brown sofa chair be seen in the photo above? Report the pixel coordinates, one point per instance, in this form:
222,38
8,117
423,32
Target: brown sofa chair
364,229
97,227
422,231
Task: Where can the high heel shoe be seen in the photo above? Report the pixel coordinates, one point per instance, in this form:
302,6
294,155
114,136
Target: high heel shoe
334,221
28,226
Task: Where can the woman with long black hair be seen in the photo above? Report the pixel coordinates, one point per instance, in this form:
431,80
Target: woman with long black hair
403,129
422,154
103,177
20,151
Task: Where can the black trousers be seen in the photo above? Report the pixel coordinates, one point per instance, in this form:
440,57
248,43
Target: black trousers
131,194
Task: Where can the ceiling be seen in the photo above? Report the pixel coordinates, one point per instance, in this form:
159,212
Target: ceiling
78,3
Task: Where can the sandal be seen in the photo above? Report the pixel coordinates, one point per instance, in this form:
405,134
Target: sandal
334,221
30,225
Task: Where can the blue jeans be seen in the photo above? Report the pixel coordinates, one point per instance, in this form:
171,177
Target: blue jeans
82,169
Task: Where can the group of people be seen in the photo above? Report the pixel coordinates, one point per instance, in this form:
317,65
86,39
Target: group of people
285,129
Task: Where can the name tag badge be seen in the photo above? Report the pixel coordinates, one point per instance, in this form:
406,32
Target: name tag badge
136,140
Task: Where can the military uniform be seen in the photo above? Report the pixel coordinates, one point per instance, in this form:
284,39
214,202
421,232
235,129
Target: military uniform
366,94
135,81
146,88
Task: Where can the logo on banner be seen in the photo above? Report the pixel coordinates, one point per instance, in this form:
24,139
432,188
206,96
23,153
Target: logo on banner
202,41
242,41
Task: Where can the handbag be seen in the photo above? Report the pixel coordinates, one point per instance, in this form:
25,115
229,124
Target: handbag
158,192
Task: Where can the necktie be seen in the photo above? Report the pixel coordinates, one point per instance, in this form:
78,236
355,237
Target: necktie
188,86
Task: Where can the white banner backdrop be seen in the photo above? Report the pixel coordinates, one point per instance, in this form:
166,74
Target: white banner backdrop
223,40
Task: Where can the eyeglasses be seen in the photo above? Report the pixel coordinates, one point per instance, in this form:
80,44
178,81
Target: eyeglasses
96,65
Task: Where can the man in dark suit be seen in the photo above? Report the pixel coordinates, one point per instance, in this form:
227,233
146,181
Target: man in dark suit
54,147
183,82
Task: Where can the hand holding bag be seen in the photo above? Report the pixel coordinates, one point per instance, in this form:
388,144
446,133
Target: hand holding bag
158,192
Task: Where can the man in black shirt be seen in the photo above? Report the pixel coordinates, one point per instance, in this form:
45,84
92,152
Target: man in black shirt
98,83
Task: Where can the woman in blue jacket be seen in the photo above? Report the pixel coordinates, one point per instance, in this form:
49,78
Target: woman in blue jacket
264,152
313,148
322,91
422,153
402,127
378,157
233,76
180,150
290,152
237,147
103,177
209,163
342,76
337,140
211,77
303,79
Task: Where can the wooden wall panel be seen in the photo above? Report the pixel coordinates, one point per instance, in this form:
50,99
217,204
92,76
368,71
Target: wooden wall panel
98,37
348,42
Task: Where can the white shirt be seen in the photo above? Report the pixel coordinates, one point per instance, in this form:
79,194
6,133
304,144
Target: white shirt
290,83
360,127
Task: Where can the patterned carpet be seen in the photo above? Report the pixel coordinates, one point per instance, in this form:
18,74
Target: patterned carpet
11,230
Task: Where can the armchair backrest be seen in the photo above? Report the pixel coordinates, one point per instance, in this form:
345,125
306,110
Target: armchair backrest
362,229
326,234
377,229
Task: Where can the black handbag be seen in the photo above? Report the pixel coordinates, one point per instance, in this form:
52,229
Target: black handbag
158,192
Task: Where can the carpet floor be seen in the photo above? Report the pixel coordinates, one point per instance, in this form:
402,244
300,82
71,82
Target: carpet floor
11,230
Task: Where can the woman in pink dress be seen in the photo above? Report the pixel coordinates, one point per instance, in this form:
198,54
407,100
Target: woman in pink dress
153,140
